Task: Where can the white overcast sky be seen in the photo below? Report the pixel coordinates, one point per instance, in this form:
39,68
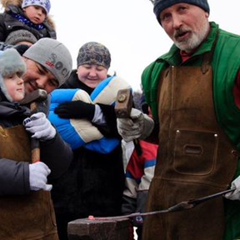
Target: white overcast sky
128,28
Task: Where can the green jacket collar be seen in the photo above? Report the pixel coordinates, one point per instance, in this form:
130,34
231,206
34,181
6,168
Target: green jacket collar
173,57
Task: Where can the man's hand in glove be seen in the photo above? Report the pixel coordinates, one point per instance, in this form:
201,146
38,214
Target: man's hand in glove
39,126
138,126
235,195
38,173
76,109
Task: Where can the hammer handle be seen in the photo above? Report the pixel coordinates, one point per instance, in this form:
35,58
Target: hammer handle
35,148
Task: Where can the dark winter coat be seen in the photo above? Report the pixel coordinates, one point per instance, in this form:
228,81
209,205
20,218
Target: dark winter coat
55,153
94,182
9,24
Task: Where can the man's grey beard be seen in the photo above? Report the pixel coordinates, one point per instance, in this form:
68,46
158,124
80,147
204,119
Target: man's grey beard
194,41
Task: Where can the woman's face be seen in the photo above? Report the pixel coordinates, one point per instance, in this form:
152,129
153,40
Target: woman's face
91,75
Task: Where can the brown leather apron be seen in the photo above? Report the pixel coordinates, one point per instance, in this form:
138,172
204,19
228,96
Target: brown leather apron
29,216
196,159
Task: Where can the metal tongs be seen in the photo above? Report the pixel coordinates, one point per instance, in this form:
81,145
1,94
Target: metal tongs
194,202
185,205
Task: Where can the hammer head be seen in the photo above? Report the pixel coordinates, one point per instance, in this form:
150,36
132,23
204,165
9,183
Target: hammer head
38,95
124,103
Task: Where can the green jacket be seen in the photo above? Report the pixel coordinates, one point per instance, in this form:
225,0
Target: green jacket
226,66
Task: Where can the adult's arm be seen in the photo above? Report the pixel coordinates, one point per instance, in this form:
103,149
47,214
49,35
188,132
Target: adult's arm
57,154
109,128
14,177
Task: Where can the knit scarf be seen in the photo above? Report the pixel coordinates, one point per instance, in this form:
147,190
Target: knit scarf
27,22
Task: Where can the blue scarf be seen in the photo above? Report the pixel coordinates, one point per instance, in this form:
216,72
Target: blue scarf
27,22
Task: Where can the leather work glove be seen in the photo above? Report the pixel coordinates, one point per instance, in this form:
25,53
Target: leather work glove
235,195
76,109
139,126
39,126
38,173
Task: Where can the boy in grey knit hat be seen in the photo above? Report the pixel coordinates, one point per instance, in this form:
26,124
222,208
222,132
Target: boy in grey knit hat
24,182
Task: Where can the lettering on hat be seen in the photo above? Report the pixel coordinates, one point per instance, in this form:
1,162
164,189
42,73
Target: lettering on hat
53,62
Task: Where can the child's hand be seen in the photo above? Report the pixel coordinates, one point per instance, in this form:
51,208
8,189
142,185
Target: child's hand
39,126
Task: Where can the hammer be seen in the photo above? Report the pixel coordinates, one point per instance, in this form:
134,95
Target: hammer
124,103
34,99
123,108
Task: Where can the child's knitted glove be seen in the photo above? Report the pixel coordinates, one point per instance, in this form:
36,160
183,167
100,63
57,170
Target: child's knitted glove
39,126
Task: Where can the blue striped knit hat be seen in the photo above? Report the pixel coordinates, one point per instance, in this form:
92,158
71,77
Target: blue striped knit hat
45,4
160,5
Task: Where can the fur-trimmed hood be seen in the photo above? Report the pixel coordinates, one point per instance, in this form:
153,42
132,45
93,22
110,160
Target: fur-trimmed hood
18,3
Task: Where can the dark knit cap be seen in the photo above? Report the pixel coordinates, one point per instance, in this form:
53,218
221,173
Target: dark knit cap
160,5
94,53
18,36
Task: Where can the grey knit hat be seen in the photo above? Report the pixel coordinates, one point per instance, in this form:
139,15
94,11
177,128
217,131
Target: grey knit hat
94,53
160,5
45,4
53,55
18,36
10,62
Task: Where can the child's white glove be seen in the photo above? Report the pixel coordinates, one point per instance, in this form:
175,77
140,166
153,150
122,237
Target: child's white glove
235,195
138,126
38,173
39,126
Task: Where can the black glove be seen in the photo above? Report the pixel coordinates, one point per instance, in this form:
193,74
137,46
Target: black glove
76,109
